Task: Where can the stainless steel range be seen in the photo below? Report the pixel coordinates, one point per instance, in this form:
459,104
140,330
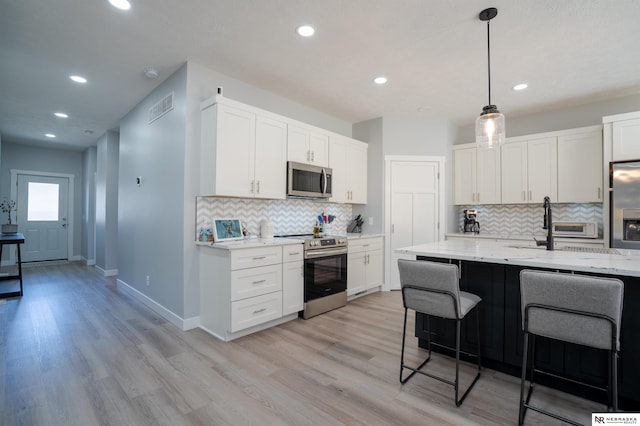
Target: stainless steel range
325,275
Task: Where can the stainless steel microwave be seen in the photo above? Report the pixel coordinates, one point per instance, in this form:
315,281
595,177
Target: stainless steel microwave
575,229
307,180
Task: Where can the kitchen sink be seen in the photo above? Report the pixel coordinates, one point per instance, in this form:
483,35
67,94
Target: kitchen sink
576,249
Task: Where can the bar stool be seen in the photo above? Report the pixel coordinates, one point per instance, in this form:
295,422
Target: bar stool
573,308
433,289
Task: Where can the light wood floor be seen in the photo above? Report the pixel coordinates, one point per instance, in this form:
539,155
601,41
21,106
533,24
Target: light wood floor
76,351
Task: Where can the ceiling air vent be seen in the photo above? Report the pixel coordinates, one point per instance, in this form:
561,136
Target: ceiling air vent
161,108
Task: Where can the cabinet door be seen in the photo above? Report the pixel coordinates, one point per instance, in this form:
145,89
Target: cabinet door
580,176
292,287
626,140
319,149
270,158
356,273
298,144
373,269
514,173
234,151
542,169
464,179
357,172
488,176
338,164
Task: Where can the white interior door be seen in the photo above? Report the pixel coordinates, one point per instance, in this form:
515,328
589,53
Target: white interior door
414,208
42,217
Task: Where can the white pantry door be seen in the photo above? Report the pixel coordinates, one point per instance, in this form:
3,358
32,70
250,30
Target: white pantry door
414,205
42,217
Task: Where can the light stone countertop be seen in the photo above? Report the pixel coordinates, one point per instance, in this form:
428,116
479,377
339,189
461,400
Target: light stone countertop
356,235
625,263
528,237
252,243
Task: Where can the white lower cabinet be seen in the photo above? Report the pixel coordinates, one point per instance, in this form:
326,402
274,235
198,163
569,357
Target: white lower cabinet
364,264
255,310
243,290
292,279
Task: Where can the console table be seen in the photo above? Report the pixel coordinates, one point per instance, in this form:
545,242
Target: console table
7,239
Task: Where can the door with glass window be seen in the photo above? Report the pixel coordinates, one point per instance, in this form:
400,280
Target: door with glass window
42,217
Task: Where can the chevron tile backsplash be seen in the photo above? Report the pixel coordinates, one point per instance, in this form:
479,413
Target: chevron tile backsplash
526,219
289,216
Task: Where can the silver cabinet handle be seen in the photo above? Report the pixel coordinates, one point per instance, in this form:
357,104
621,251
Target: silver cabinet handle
259,257
599,189
258,187
259,281
529,195
524,195
259,310
293,253
253,186
313,156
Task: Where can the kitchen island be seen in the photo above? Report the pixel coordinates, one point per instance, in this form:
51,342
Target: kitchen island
492,271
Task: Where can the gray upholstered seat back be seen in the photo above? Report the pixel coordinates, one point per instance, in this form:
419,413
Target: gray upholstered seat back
596,295
430,276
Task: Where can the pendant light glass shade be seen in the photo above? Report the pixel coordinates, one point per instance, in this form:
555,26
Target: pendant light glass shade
490,126
490,131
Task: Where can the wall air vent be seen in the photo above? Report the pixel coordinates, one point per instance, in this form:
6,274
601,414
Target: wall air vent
161,108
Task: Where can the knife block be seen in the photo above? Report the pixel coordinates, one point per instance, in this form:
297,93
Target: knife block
354,228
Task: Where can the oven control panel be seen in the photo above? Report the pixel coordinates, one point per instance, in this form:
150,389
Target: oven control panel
326,242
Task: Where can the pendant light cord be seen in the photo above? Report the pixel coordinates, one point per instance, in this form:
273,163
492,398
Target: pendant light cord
489,59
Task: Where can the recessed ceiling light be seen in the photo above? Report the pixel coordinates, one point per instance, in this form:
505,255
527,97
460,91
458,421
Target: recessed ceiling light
120,4
520,86
380,80
305,30
50,135
60,115
78,79
151,73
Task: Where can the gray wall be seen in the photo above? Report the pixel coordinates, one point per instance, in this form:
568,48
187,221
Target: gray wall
25,157
403,136
150,216
560,119
156,220
89,164
106,221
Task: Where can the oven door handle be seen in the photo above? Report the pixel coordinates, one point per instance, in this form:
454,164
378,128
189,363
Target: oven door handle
314,254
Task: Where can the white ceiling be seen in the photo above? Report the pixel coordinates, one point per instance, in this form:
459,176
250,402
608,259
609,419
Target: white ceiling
570,52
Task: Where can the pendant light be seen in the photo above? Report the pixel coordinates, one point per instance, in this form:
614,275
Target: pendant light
490,129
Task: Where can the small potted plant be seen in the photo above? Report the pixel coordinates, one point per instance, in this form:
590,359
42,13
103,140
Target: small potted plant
7,206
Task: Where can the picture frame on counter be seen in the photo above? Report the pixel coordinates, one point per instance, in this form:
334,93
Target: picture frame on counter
225,229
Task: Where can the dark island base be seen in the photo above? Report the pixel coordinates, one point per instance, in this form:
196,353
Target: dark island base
502,337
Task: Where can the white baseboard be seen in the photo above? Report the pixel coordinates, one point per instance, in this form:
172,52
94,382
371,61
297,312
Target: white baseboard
90,262
74,258
181,323
107,272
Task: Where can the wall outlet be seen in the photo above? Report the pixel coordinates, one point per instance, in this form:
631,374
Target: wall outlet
370,220
148,281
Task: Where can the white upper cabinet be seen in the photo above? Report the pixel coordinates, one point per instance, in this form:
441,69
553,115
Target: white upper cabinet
307,145
243,152
348,162
580,177
270,158
476,176
626,140
529,171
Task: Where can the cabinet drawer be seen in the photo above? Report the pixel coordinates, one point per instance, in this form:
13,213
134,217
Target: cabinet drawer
255,281
292,253
254,257
255,310
365,244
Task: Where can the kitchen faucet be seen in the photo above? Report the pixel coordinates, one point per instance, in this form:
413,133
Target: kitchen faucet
548,225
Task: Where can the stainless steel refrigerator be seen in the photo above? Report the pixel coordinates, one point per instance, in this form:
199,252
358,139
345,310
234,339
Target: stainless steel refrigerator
625,205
